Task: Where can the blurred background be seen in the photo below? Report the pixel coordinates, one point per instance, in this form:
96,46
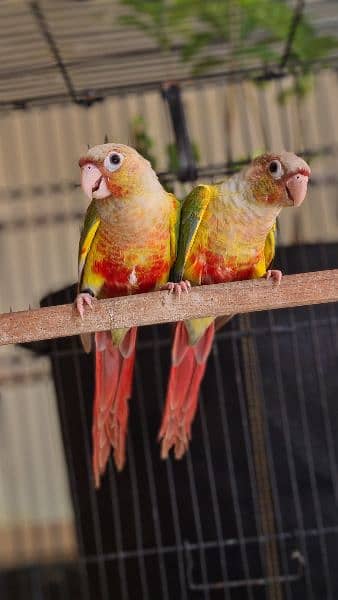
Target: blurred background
198,87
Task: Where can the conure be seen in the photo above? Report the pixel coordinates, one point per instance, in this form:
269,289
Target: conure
227,233
127,246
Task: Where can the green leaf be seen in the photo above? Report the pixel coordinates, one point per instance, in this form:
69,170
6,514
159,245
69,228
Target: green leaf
141,141
249,28
132,21
173,158
206,64
197,42
302,85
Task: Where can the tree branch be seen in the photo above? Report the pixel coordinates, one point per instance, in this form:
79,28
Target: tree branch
160,307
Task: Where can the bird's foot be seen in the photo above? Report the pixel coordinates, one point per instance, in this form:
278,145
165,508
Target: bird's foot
178,288
81,300
275,275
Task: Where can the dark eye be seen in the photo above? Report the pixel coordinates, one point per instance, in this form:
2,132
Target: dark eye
113,161
276,169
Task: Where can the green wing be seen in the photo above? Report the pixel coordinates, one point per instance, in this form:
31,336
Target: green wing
91,223
192,211
88,232
174,226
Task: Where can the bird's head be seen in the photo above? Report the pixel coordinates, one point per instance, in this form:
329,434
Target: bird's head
278,179
114,170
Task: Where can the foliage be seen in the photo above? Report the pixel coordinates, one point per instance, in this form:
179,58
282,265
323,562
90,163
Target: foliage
141,140
144,144
303,83
173,157
249,28
157,19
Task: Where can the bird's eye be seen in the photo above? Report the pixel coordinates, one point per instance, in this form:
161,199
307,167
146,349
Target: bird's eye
276,169
113,161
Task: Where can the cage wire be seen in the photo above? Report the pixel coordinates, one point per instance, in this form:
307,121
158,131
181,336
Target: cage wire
251,511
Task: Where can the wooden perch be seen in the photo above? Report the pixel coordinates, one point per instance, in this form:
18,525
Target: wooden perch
161,307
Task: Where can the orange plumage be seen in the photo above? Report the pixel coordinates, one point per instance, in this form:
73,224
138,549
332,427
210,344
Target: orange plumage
227,233
127,246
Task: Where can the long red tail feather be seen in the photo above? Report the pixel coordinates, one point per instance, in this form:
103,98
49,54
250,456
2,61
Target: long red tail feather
114,367
187,370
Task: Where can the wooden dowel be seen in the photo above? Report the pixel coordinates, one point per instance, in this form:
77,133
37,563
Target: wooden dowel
161,307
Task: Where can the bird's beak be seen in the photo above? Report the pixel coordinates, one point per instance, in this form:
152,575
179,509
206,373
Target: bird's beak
93,182
296,187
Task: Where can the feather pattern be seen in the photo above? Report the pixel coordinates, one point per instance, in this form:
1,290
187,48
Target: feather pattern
127,246
227,234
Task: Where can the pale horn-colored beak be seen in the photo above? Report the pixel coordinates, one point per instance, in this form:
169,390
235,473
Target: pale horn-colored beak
93,182
296,187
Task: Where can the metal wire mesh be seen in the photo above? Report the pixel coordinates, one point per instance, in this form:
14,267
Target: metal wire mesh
78,51
194,527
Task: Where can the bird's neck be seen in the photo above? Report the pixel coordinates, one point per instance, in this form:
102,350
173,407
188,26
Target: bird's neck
238,225
247,214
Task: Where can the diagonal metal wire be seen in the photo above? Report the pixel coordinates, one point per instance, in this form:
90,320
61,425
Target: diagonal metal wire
296,19
45,30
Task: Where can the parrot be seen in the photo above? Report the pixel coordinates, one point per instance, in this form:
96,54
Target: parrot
127,246
227,233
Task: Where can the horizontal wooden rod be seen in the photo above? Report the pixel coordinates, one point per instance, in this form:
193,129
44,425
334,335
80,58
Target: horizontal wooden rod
161,307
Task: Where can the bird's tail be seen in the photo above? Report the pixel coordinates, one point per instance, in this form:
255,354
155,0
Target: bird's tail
187,370
114,367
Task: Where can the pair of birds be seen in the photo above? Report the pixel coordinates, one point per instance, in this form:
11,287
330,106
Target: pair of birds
136,236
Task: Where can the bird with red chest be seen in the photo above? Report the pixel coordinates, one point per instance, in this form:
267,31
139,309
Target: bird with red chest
127,246
227,233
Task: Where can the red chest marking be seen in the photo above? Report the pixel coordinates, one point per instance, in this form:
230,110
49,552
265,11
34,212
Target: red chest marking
213,268
121,280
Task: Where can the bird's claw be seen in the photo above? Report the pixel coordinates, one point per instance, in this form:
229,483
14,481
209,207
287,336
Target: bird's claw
178,288
81,300
275,275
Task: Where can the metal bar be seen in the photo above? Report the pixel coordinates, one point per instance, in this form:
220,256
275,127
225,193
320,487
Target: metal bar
197,517
238,583
137,518
296,19
153,495
161,307
257,422
118,531
210,544
94,516
216,509
155,344
297,352
249,73
173,96
40,18
289,454
212,170
297,361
